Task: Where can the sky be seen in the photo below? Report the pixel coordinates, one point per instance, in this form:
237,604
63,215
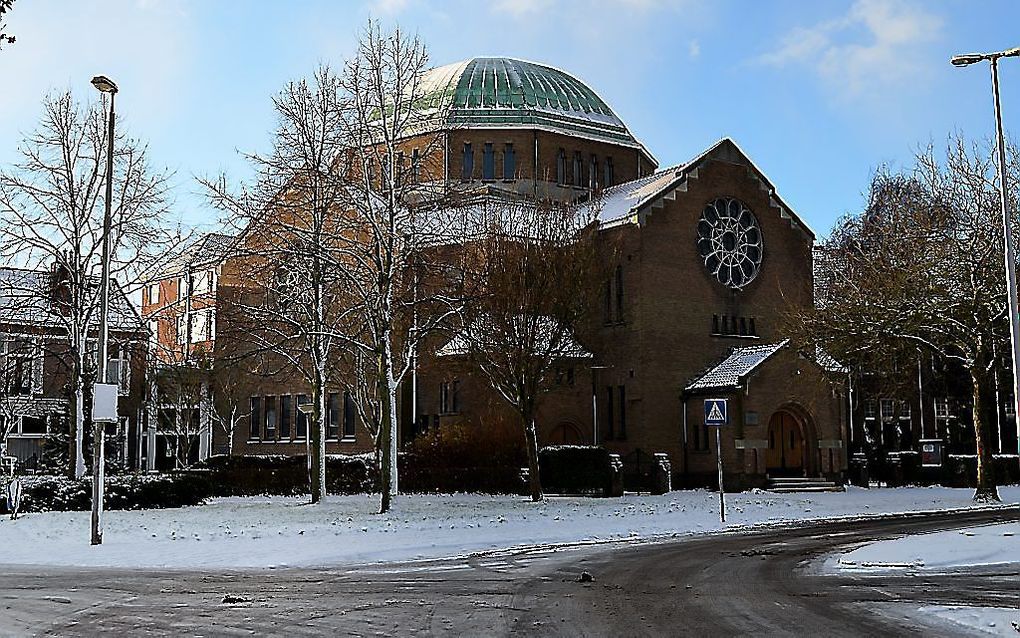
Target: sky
819,94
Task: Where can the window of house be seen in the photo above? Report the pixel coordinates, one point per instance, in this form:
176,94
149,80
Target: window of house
561,167
33,425
182,288
455,395
870,409
565,376
752,329
255,417
578,169
302,418
286,416
608,302
904,409
509,162
608,177
942,408
444,397
715,324
385,175
887,407
333,408
610,413
593,172
182,328
619,293
468,162
415,163
20,364
119,369
271,416
203,282
349,415
153,293
399,177
488,162
622,391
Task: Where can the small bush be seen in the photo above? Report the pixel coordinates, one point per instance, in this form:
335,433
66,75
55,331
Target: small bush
461,457
288,475
575,469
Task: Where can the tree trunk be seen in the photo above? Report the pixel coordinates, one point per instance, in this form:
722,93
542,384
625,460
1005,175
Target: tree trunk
531,437
387,438
317,432
75,439
986,490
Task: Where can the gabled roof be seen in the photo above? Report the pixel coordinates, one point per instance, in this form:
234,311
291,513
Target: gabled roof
25,301
625,203
208,249
731,371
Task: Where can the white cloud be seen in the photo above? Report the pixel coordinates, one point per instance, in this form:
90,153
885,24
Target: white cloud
694,49
876,44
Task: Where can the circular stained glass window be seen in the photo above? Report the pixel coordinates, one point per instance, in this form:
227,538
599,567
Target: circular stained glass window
729,242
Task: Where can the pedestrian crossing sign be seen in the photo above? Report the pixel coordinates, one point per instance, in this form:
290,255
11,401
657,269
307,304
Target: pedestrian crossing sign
716,412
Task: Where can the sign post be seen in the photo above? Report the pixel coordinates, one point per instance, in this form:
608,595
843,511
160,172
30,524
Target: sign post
717,415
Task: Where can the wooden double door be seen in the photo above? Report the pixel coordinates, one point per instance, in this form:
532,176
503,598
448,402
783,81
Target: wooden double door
785,454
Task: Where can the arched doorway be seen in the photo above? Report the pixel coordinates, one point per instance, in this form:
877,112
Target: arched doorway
565,433
785,456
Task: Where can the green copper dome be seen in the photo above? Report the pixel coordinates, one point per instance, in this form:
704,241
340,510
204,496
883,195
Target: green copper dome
504,92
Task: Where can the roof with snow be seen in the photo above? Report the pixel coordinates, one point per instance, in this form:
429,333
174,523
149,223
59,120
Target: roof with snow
208,249
559,343
25,301
506,92
732,371
627,202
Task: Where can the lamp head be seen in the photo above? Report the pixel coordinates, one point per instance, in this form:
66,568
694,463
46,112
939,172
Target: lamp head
967,59
104,84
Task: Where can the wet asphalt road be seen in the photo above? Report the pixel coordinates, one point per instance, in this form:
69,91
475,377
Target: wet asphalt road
764,583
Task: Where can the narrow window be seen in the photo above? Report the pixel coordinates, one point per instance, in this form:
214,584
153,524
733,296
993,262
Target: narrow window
609,301
715,324
348,416
610,413
607,178
270,417
444,397
578,169
468,162
302,418
286,416
619,293
623,411
333,422
593,172
488,162
725,324
455,399
561,167
400,169
415,162
255,417
743,326
509,162
752,328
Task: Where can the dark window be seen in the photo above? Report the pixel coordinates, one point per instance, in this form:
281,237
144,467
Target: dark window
348,416
456,395
385,184
488,162
610,413
509,162
302,418
286,416
607,178
561,167
593,172
715,324
468,168
578,169
743,326
270,417
609,301
415,162
619,293
751,327
33,425
623,411
333,408
400,169
449,397
255,417
725,324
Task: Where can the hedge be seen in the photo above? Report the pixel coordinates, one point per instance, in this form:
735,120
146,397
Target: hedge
288,475
575,469
44,493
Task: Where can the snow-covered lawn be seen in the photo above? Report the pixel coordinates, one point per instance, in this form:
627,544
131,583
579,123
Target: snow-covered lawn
954,549
995,621
279,531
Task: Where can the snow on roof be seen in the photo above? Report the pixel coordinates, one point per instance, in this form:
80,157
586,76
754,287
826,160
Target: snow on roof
567,348
25,301
207,249
735,367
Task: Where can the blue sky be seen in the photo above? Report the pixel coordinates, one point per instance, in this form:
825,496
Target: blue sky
818,93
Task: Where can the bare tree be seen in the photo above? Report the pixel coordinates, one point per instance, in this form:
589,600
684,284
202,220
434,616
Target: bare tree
396,210
51,218
537,273
5,36
921,268
289,308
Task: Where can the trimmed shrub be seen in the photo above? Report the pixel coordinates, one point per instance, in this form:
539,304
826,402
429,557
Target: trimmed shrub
465,458
576,469
288,475
123,492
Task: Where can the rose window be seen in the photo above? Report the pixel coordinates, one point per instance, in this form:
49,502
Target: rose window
729,242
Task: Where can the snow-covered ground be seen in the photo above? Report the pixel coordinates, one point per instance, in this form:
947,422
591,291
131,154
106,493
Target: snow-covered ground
280,531
954,549
995,621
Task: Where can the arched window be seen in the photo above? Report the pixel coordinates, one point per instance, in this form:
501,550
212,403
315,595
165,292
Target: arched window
607,177
578,169
593,172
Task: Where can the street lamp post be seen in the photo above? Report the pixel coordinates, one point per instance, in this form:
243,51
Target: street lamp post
1014,316
105,85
